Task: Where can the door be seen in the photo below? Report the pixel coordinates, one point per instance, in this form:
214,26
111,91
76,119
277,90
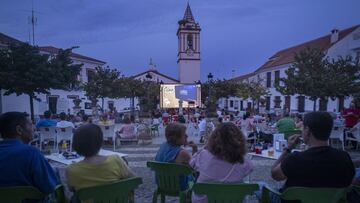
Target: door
301,103
53,104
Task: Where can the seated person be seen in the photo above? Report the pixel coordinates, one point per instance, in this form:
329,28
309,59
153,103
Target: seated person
223,159
285,124
46,122
95,169
171,150
105,121
20,163
319,165
128,129
63,123
299,124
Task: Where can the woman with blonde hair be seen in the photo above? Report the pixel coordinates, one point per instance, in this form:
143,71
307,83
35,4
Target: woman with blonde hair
223,158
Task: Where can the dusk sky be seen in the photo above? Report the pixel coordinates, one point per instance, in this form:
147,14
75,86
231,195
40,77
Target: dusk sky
236,34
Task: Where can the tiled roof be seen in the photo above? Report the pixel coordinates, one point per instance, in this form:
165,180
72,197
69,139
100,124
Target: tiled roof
54,50
5,39
158,73
243,77
286,56
188,16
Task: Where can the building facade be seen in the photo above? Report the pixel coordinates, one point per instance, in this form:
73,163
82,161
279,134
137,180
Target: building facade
337,43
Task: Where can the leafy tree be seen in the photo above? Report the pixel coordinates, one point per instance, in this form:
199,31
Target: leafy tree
101,84
255,90
25,71
314,75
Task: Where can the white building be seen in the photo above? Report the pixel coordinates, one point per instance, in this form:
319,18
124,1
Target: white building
58,100
154,75
337,43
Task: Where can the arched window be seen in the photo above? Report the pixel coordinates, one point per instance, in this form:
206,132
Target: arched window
190,41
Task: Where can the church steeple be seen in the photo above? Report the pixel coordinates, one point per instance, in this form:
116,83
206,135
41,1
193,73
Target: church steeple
188,16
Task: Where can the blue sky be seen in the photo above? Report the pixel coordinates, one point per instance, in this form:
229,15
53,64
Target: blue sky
236,34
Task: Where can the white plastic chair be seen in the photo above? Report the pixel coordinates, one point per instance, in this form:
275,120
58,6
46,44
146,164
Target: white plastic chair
355,131
337,133
109,132
64,134
47,134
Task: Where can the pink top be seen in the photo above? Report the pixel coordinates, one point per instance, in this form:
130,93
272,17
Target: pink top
127,131
213,169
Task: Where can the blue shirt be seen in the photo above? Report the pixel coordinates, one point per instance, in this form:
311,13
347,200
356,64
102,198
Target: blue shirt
168,153
45,123
24,165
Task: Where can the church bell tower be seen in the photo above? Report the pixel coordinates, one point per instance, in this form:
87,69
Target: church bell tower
188,35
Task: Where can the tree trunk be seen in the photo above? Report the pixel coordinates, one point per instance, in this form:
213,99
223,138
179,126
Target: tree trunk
102,104
32,108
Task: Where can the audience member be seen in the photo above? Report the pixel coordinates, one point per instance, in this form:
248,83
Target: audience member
63,123
299,124
47,121
20,163
128,129
351,115
172,151
104,120
318,166
285,124
223,159
95,169
205,128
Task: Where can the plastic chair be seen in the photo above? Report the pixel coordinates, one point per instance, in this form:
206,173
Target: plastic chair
168,180
16,194
109,132
307,194
155,130
65,134
118,192
49,134
225,192
355,131
337,133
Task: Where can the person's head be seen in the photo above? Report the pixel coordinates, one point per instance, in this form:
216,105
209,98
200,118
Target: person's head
317,125
220,119
352,105
299,117
62,116
47,114
87,140
16,125
175,134
228,143
127,119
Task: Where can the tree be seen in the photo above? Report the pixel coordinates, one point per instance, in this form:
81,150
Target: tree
101,84
25,71
254,90
314,75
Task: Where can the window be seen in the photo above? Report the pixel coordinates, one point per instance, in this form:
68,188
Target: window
241,105
277,77
277,102
231,103
268,103
301,103
90,74
287,103
268,79
236,104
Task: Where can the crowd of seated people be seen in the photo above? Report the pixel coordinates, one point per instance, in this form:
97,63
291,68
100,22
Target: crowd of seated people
222,159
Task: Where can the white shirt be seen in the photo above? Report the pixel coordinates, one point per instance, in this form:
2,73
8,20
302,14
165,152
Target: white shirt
202,125
64,124
218,113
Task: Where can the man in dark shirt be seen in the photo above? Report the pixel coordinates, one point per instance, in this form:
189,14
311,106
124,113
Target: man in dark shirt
21,164
318,166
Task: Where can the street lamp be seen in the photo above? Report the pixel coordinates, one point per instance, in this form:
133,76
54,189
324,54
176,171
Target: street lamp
210,76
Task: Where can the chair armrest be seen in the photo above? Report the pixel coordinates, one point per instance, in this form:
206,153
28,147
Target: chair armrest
265,196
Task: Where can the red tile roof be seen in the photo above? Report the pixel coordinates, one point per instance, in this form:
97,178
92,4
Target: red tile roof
243,77
156,72
54,50
286,56
5,39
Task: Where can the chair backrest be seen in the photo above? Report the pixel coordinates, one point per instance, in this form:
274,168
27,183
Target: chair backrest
225,192
108,131
117,192
168,175
337,133
17,194
64,133
47,133
314,195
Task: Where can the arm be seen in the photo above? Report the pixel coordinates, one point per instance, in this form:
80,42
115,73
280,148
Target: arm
276,171
183,157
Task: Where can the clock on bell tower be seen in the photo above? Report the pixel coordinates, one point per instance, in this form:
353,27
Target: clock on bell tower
188,35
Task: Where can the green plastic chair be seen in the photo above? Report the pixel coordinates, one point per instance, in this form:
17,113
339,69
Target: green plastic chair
307,194
59,194
17,194
168,180
117,192
225,192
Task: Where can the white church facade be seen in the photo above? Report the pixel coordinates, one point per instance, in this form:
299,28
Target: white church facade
337,43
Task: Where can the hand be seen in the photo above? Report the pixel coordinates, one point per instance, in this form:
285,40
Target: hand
293,141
